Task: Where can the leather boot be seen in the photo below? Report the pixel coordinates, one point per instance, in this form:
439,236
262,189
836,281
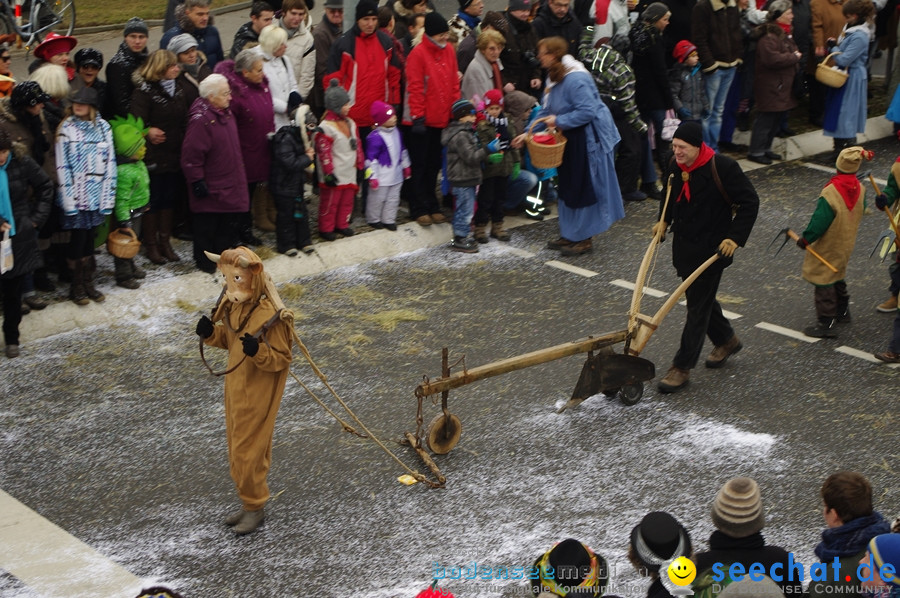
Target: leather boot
579,248
151,238
720,354
235,517
259,209
271,211
497,231
481,233
823,328
136,271
88,270
165,236
124,277
675,380
250,522
76,288
245,230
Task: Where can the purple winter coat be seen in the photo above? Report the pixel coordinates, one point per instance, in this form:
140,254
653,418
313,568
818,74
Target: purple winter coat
251,104
212,152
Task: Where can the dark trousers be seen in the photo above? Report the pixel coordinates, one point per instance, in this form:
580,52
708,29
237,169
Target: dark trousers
628,156
831,300
81,243
491,197
704,318
12,308
425,157
168,191
894,346
765,127
291,223
214,232
894,271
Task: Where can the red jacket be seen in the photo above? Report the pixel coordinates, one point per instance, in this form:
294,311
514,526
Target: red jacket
432,84
367,68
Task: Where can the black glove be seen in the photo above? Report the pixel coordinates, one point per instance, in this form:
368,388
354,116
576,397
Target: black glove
294,100
418,126
251,345
200,189
830,43
802,243
330,180
882,201
205,327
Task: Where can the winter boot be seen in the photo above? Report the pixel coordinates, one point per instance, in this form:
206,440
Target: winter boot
271,210
151,238
259,210
676,379
721,353
76,289
124,276
559,244
136,271
234,518
824,328
579,248
843,315
889,306
464,245
481,233
88,270
165,236
245,230
250,522
497,231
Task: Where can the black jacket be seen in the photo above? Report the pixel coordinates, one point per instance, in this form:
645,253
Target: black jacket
547,24
701,224
118,78
27,180
289,162
243,36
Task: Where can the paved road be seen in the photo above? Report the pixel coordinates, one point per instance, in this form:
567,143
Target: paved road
114,433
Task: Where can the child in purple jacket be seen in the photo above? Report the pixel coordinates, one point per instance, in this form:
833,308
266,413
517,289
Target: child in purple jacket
387,165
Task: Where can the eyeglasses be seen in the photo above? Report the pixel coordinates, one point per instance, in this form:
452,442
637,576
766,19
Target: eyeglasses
5,58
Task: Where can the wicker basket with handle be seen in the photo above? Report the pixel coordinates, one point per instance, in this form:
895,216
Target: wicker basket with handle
826,74
544,155
123,243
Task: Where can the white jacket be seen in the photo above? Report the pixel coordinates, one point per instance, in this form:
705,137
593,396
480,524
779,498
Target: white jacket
282,82
302,55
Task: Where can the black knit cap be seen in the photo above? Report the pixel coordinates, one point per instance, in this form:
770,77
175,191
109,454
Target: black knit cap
435,24
136,25
690,132
366,8
5,141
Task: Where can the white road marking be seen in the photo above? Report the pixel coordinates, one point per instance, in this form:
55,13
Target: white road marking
867,356
571,268
787,332
518,252
630,286
52,562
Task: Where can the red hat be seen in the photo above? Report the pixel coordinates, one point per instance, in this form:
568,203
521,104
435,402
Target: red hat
493,97
682,50
54,44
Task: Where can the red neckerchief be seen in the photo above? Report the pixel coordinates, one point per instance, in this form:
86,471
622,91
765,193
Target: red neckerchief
848,186
706,154
786,28
897,160
602,9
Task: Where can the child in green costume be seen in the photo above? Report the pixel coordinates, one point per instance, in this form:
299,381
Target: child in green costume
133,190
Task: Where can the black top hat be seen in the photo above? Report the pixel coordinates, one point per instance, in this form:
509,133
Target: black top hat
659,538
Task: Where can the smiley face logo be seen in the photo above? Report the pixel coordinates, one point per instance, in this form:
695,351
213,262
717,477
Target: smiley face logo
682,571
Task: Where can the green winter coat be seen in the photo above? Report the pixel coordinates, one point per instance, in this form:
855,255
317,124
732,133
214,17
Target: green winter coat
133,188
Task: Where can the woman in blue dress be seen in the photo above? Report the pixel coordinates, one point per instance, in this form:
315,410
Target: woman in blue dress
846,107
589,197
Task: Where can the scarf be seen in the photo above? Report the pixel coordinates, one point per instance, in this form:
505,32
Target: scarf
498,80
848,186
706,154
191,69
501,125
785,27
469,20
850,538
5,203
168,86
602,9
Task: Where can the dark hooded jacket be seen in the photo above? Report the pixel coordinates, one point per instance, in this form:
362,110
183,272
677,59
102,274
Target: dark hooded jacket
118,78
150,102
547,24
31,193
208,40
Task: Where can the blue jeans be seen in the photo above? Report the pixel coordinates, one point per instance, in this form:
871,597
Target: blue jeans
517,189
717,84
462,212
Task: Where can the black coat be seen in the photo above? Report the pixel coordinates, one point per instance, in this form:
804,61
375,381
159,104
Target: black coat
752,549
31,193
547,24
150,102
701,224
519,56
652,90
118,78
289,162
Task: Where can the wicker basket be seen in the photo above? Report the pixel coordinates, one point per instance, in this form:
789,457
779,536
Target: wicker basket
123,243
545,155
832,77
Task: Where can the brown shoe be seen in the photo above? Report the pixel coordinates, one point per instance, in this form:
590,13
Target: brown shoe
438,218
888,356
234,518
720,354
424,220
480,233
498,232
579,248
675,380
889,306
559,243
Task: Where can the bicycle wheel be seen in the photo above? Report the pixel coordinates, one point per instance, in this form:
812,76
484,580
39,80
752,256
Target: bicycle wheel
54,15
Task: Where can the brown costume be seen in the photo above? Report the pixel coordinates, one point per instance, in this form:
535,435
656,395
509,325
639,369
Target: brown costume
254,388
